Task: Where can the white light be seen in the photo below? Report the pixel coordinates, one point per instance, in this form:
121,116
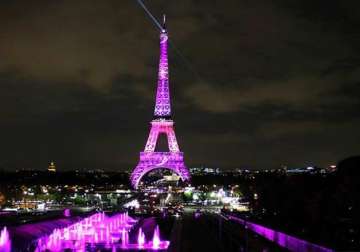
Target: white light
134,203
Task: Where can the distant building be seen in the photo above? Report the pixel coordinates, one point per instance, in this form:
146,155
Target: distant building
196,170
331,168
172,177
204,171
209,170
304,170
52,167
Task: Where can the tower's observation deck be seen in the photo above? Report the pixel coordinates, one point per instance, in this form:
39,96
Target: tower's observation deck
162,124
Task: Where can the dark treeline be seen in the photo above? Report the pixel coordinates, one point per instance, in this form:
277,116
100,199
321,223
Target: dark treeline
70,178
322,208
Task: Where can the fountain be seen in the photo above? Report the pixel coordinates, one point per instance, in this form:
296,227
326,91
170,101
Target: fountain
67,212
124,238
5,243
96,229
99,230
141,238
156,238
155,244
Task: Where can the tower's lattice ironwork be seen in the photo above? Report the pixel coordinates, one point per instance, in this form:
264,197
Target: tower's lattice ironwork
162,124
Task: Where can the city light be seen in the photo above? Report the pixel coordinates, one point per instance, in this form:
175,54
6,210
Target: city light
134,203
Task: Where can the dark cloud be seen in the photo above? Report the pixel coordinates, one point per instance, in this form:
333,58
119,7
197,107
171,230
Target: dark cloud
256,83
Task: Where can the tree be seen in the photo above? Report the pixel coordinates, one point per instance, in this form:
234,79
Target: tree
2,199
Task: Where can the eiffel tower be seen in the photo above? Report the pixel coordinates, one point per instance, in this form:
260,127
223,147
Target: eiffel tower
161,124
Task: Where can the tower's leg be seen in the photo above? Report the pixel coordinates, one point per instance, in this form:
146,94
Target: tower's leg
172,142
152,139
149,159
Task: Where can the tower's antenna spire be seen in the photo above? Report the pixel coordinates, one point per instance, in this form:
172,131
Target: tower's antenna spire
164,23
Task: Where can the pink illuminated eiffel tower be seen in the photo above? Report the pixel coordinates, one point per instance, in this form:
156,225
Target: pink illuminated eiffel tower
162,124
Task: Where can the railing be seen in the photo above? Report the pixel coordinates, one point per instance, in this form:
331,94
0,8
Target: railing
286,241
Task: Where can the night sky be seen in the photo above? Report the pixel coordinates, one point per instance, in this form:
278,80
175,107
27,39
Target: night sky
255,83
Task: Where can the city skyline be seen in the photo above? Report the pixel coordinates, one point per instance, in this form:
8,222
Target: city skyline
264,85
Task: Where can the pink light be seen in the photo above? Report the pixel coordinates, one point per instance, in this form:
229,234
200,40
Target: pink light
173,159
155,244
124,238
287,241
156,238
92,230
5,242
141,238
162,104
153,160
67,212
98,229
162,126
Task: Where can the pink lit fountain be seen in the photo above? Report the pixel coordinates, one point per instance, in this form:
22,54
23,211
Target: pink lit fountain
67,212
141,238
5,243
155,244
99,231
